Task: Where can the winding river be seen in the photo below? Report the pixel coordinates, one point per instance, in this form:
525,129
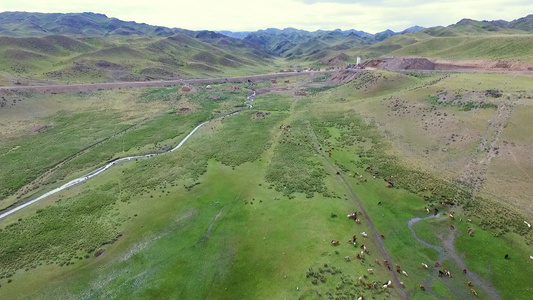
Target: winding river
450,252
250,98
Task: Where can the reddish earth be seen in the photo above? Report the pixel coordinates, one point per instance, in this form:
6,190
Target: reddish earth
421,63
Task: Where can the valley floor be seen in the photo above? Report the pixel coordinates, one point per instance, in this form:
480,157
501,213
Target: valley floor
250,206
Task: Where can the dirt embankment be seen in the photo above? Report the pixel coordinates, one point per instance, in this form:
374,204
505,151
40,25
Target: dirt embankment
421,63
69,88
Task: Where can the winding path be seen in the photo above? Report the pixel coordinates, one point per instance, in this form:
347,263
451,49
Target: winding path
250,98
450,252
384,253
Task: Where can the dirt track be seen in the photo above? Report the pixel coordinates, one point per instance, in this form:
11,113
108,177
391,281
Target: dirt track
70,88
382,249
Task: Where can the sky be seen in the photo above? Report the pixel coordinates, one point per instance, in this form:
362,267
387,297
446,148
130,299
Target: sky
249,15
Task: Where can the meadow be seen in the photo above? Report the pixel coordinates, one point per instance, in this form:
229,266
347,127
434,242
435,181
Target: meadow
248,207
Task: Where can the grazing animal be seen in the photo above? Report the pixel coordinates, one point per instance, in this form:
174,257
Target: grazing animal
357,221
358,256
379,203
473,292
531,257
352,216
362,253
398,267
362,246
401,283
377,261
360,297
469,283
425,266
437,263
506,256
451,226
528,225
405,273
375,284
360,279
382,236
451,216
368,285
335,242
435,212
469,220
422,287
388,267
441,273
364,234
427,210
347,257
370,271
464,271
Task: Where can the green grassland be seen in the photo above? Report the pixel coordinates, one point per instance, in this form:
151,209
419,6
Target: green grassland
138,58
248,207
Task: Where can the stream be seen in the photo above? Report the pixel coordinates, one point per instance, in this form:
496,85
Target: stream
111,163
449,252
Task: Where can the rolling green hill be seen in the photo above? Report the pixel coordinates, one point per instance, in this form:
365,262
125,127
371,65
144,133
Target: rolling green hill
98,59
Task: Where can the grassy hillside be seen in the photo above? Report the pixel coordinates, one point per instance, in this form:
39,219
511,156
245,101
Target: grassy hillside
97,59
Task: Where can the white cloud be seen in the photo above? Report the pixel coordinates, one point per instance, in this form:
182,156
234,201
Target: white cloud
236,15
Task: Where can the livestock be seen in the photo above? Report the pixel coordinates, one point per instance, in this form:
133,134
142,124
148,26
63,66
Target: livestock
398,267
425,266
364,234
347,258
427,210
386,284
360,297
352,216
377,260
368,285
473,292
358,256
528,224
437,263
531,257
405,273
357,221
464,271
469,283
451,226
441,273
335,242
370,271
382,236
422,287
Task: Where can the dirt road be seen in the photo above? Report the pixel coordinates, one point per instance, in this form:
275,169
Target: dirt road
383,251
70,88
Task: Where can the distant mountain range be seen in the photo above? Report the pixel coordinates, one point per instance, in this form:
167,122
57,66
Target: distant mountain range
87,47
